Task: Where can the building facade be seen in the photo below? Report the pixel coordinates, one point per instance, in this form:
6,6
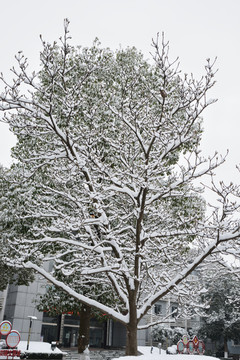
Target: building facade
18,304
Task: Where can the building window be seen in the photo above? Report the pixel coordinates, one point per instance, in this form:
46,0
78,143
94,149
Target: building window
157,309
235,342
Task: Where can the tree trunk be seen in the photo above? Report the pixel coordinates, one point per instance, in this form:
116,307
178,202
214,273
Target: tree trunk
131,345
84,328
225,348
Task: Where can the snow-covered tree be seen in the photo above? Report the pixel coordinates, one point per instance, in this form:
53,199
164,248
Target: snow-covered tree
106,158
168,335
222,318
56,302
9,275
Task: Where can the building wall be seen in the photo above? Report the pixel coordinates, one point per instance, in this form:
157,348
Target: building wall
20,304
158,313
234,348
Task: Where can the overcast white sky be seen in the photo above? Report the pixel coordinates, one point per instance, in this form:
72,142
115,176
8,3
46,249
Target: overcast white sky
196,29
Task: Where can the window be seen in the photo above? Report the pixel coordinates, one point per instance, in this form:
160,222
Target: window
157,309
235,343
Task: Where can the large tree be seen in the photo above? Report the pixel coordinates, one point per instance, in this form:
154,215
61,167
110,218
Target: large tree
106,158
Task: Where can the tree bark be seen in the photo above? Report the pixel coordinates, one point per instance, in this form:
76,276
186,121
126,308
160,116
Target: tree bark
84,328
225,348
131,343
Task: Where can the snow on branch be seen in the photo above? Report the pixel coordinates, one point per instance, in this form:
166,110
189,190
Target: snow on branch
104,182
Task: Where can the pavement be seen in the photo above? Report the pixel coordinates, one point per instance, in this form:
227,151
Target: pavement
95,354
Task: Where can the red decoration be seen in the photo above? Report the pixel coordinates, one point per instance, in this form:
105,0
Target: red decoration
190,347
180,346
13,339
195,341
185,340
10,353
201,347
5,327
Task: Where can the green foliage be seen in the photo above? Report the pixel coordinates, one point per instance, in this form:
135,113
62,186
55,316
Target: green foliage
107,154
11,275
87,93
55,301
222,318
163,334
10,221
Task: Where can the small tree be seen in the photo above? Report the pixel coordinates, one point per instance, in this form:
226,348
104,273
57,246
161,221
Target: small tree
222,320
57,302
167,335
112,133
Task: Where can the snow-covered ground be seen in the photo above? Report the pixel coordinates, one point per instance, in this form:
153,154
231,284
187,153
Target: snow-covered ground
37,346
147,355
145,350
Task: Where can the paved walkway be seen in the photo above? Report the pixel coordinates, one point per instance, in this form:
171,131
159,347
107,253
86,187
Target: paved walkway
98,354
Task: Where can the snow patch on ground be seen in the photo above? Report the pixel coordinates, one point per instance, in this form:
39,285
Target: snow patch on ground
37,347
147,355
